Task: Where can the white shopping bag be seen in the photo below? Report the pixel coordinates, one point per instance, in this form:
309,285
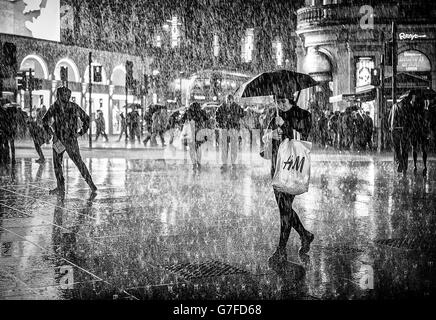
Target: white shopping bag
188,131
292,174
266,151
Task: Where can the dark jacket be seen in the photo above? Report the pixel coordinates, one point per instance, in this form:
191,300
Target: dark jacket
9,122
229,116
194,112
198,115
65,121
295,118
173,120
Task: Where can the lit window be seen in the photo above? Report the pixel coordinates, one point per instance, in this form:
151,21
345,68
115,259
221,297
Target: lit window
248,45
216,45
158,42
277,45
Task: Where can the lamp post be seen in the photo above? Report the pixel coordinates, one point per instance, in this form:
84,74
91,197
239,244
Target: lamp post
90,101
394,62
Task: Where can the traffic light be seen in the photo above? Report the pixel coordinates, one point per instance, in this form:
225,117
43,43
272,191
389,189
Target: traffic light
21,81
129,74
97,73
64,73
375,77
146,85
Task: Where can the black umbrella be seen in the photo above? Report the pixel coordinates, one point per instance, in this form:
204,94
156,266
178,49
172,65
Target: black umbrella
427,93
275,83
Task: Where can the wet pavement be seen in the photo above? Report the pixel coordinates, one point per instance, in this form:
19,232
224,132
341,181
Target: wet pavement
159,230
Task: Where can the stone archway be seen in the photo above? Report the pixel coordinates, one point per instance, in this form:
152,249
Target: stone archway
37,64
73,71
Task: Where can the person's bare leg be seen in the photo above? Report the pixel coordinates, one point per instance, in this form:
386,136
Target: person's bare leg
424,159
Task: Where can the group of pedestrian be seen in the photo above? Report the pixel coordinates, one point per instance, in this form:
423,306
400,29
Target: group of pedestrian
156,124
351,129
409,125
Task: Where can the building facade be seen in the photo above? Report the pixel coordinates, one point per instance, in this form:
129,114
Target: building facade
340,41
46,58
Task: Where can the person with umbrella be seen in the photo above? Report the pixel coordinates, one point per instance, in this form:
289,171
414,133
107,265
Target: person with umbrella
135,122
282,84
100,126
123,124
65,114
289,118
8,131
398,122
200,120
228,119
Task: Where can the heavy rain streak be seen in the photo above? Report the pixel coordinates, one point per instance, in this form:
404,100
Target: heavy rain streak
217,150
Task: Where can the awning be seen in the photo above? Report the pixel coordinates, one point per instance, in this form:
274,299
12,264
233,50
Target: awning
363,94
408,81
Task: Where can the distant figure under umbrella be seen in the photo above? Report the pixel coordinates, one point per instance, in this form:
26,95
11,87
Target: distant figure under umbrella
419,130
100,126
123,124
65,114
8,131
135,122
399,119
196,117
228,119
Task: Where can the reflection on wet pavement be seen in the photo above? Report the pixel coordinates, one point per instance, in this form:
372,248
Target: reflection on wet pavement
157,230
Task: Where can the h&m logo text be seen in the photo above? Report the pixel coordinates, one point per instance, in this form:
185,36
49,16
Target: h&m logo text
296,164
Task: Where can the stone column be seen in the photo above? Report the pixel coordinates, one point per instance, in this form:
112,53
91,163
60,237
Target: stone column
54,84
83,96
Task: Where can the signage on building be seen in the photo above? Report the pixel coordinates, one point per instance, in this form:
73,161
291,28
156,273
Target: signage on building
363,71
411,36
413,60
37,19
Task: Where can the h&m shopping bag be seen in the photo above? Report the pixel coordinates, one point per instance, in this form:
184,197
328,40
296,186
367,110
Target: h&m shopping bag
292,174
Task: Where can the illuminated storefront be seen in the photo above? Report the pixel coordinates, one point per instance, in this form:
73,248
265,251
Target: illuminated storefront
338,47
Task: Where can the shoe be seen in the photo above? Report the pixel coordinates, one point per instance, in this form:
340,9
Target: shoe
279,257
58,191
40,160
93,189
92,196
305,243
